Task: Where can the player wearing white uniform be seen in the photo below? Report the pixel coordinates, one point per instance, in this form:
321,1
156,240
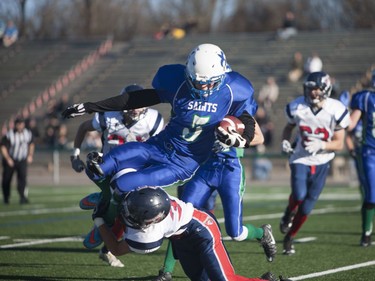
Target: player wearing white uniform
117,127
320,122
150,215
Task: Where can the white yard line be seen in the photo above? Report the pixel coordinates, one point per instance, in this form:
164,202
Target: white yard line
331,271
40,211
314,212
42,241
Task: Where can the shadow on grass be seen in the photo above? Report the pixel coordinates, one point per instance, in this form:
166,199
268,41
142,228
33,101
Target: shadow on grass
52,249
56,278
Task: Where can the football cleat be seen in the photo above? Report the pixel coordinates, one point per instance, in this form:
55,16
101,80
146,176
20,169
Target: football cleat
268,242
288,246
110,259
92,239
286,221
365,240
90,201
92,163
163,276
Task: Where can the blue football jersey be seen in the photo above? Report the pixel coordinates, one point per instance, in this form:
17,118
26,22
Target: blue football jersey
365,102
191,128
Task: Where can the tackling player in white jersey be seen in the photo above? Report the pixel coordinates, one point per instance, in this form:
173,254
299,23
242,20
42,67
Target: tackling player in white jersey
117,127
150,215
320,122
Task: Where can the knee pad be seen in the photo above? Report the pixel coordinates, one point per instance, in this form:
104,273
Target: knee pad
242,236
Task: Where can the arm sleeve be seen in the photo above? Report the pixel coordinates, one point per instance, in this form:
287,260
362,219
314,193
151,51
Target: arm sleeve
249,123
136,99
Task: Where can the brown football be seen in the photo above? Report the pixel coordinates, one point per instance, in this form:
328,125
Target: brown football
232,121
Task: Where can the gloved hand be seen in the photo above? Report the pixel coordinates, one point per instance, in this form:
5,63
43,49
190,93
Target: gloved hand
219,146
314,145
353,154
74,110
77,163
230,138
287,147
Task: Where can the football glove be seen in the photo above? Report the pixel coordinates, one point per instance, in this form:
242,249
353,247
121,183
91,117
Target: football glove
219,146
74,110
314,145
287,147
230,137
77,163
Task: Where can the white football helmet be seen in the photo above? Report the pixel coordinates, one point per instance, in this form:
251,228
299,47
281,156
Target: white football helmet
205,69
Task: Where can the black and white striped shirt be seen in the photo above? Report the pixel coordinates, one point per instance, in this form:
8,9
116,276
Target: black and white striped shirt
17,143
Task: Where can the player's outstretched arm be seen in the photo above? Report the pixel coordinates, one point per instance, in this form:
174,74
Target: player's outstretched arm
136,99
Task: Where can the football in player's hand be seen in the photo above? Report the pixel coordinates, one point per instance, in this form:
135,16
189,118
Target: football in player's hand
234,122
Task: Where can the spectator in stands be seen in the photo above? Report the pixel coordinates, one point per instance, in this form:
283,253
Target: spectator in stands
62,137
2,28
17,149
289,28
262,166
190,25
51,132
268,93
32,125
51,109
164,31
60,105
265,124
313,63
296,71
10,34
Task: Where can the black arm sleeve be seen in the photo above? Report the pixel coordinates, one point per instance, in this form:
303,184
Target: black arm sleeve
136,99
249,123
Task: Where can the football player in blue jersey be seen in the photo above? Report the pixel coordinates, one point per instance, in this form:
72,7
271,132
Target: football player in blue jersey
353,140
363,109
201,93
320,122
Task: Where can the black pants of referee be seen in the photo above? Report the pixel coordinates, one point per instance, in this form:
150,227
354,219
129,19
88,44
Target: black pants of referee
20,167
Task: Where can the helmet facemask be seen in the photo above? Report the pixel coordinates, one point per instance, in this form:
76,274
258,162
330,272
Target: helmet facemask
134,115
205,72
317,89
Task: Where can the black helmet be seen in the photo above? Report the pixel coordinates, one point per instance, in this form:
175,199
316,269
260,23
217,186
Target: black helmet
317,80
131,88
133,115
145,206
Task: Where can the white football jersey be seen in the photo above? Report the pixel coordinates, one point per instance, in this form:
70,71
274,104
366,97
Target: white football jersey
321,124
148,240
116,133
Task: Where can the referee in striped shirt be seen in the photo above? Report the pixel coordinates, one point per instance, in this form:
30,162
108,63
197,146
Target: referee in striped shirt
17,149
